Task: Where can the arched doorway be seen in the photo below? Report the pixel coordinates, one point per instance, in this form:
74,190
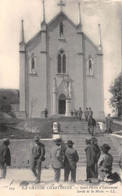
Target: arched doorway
62,104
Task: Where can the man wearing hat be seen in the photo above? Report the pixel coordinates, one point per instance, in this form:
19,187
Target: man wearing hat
105,162
86,114
109,123
5,157
90,113
38,153
70,160
91,125
57,158
80,112
97,153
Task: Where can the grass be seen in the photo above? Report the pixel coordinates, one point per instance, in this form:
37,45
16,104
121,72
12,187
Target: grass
27,129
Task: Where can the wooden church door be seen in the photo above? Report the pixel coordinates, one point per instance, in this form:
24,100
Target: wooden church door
62,104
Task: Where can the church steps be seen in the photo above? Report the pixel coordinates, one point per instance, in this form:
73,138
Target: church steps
76,127
77,131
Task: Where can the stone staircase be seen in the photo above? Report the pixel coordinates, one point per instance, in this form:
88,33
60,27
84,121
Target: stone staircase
73,127
77,131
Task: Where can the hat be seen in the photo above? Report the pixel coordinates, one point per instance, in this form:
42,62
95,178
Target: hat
87,140
105,147
93,139
70,142
36,138
58,140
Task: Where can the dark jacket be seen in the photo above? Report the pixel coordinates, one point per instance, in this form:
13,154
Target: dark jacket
97,152
38,151
5,155
90,155
71,158
91,122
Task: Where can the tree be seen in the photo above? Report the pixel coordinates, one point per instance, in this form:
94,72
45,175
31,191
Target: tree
116,90
5,107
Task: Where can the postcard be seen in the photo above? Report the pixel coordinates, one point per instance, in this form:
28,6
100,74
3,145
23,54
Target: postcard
60,97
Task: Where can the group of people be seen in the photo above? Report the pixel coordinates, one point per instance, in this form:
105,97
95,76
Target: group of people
88,114
64,156
99,161
77,113
92,122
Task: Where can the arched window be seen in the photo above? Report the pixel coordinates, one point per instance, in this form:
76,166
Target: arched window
61,62
33,64
64,63
61,30
90,65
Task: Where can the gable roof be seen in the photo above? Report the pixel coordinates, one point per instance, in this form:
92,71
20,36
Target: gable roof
65,16
48,24
61,13
33,39
86,37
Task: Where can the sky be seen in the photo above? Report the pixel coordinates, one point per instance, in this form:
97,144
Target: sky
107,13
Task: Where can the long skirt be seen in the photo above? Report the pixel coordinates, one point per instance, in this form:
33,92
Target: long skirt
91,171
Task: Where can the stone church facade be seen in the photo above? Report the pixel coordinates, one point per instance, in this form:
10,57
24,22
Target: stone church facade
61,69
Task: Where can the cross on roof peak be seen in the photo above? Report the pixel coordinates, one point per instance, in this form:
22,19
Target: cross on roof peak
61,4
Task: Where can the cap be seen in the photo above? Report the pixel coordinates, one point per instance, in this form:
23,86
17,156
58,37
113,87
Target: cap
105,147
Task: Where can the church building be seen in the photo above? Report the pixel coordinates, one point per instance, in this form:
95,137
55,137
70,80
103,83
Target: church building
61,69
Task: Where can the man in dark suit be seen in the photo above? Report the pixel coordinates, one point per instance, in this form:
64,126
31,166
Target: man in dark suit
38,152
86,114
91,125
57,159
90,113
71,158
90,159
5,157
97,153
80,112
46,113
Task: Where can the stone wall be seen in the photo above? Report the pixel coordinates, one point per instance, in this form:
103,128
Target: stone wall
21,152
